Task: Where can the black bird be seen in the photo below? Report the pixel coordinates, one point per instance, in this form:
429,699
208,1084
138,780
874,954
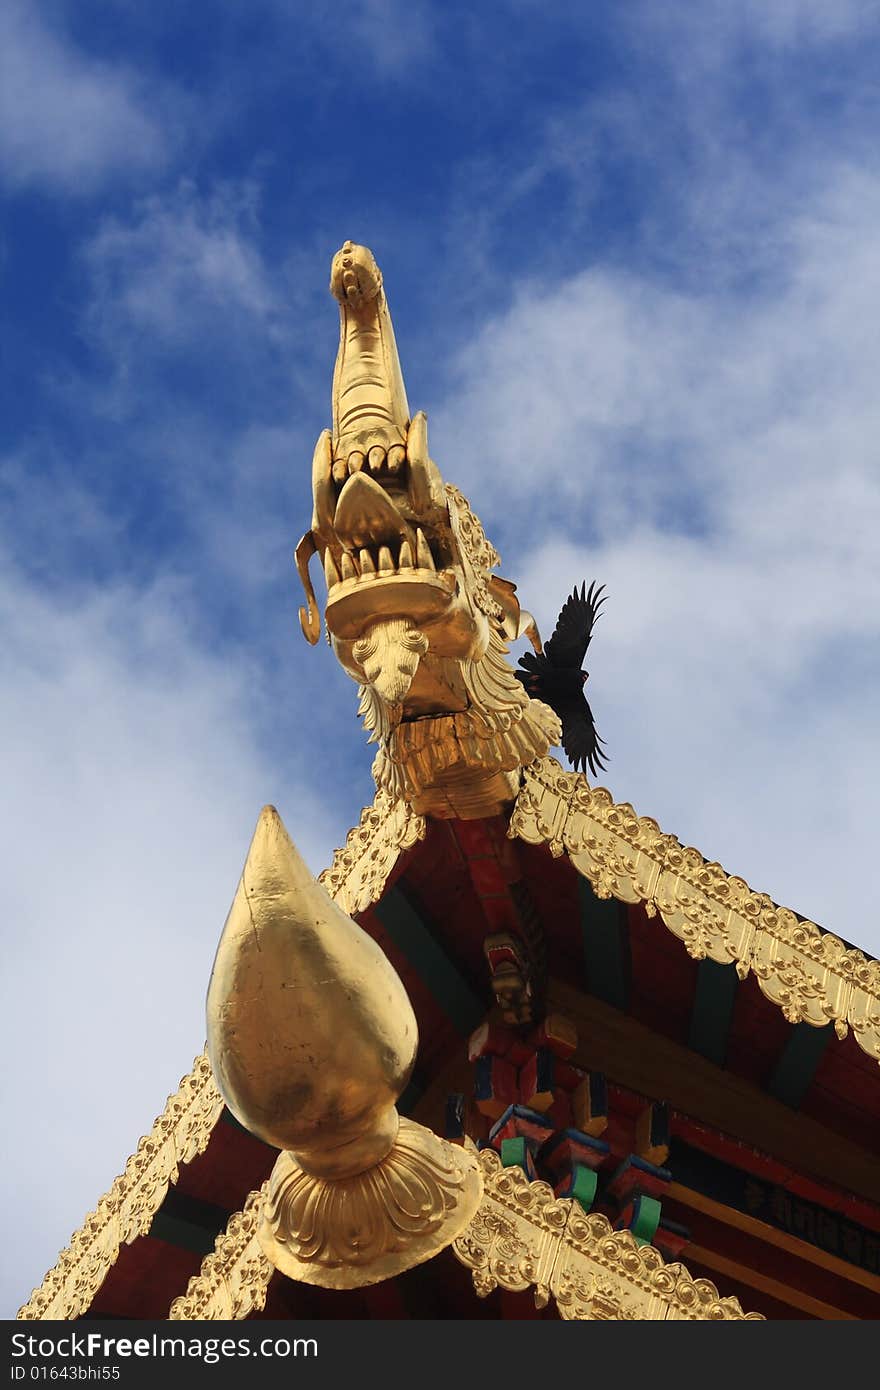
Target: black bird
555,676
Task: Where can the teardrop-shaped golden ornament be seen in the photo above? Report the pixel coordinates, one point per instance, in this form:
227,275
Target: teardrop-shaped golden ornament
312,1039
310,1031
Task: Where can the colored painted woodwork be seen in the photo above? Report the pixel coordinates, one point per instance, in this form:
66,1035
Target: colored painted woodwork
414,938
775,1206
642,1217
581,1184
797,1065
603,925
712,1010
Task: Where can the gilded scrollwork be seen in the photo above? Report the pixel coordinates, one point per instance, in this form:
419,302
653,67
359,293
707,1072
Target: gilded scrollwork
233,1280
349,1232
359,869
127,1210
809,973
522,1236
511,1241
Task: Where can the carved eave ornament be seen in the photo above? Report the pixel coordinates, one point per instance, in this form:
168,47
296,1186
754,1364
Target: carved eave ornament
810,974
521,1237
524,1237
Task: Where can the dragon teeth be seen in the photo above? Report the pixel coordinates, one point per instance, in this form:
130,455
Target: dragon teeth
381,561
424,559
331,573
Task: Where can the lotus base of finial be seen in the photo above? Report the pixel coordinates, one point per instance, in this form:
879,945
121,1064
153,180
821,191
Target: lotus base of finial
351,1232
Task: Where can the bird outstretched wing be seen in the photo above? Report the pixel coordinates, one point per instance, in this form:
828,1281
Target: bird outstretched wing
574,627
555,676
583,746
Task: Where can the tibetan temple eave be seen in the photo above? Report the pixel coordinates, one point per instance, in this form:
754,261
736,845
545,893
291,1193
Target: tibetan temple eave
518,1052
799,1193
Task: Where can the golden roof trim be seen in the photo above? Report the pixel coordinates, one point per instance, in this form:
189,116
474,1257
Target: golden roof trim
233,1279
360,869
354,879
811,975
522,1236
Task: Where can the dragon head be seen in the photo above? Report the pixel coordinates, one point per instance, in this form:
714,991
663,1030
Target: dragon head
413,611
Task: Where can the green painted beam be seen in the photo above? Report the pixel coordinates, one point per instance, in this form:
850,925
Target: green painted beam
188,1222
712,1010
796,1065
606,947
413,937
182,1233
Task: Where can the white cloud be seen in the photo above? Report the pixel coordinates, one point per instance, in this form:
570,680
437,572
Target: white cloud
398,35
180,261
67,120
713,459
208,348
132,779
394,36
781,24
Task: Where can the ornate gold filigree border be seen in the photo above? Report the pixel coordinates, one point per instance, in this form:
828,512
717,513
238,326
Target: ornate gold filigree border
522,1236
354,879
808,972
359,870
233,1280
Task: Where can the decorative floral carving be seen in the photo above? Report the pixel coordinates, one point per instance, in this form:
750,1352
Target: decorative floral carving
810,974
522,1236
348,1232
361,867
479,554
354,1220
511,1242
233,1280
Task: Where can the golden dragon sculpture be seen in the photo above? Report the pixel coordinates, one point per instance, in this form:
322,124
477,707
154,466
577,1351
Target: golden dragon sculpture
413,612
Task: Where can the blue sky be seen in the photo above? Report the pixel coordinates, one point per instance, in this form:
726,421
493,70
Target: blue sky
632,260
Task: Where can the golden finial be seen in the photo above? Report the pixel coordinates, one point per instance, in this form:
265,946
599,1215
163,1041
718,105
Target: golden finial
312,1039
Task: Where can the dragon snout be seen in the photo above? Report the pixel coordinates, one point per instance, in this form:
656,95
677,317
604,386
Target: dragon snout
355,278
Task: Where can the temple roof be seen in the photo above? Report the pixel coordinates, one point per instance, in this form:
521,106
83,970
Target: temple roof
759,1032
582,963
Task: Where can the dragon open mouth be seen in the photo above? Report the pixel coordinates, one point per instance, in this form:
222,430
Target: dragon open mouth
378,582
398,556
375,543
